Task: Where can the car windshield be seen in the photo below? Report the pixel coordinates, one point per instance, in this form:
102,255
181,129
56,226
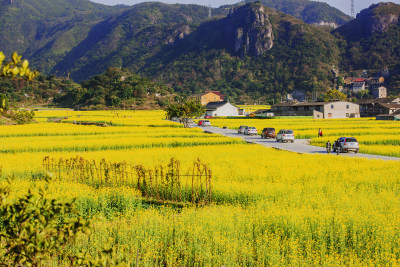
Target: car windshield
271,129
351,140
289,132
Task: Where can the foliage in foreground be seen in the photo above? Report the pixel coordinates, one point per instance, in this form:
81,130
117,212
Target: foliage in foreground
35,228
15,67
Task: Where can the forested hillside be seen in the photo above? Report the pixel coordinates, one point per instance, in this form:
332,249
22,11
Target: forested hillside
312,12
248,51
301,56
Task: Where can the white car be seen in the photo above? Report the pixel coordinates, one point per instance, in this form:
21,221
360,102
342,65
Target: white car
346,144
250,131
206,123
285,136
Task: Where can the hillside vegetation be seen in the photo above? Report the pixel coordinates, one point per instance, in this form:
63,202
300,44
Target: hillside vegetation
248,52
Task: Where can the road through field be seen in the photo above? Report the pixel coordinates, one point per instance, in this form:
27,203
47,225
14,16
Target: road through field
299,145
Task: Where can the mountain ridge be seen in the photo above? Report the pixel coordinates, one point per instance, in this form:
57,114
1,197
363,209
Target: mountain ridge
253,51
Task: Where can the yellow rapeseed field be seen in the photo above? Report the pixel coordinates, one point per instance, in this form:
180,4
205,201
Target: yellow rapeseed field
270,208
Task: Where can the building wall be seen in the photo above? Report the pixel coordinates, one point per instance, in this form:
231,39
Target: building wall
341,110
318,115
380,92
205,98
210,97
357,87
226,110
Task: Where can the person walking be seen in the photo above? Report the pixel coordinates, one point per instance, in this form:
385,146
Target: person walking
319,132
328,147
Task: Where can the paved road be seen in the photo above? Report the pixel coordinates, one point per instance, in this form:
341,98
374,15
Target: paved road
299,145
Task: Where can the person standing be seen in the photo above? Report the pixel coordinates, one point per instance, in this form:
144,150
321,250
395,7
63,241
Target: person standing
319,132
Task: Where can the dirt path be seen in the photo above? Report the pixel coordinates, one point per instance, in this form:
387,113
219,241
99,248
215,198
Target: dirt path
299,145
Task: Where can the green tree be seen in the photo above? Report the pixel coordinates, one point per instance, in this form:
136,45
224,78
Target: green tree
333,95
185,112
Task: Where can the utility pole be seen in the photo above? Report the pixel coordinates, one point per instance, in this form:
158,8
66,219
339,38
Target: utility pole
209,11
352,9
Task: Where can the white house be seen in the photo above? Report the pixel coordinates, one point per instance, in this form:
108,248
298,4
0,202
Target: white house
221,109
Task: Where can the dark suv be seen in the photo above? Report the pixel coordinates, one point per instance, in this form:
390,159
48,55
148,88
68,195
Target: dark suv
268,133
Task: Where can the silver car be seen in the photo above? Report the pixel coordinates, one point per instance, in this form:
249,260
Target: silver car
346,144
250,131
241,129
285,136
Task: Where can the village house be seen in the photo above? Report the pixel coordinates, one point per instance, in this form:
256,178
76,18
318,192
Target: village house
359,85
389,117
375,82
380,92
367,105
207,97
221,109
383,109
319,110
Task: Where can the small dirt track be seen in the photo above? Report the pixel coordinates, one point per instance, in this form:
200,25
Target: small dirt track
299,145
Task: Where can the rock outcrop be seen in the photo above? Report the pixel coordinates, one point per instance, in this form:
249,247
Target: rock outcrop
249,30
179,34
328,24
378,18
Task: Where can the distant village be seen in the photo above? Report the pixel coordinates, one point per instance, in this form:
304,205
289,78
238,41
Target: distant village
296,104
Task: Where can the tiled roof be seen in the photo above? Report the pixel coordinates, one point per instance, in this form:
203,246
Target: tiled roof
386,100
215,92
301,104
391,106
215,105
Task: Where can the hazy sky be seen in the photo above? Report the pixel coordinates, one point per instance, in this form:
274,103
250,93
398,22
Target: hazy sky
343,5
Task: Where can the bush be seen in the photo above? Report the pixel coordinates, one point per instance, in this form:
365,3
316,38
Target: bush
23,116
34,227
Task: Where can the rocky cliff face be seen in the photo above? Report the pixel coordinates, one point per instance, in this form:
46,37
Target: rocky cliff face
249,30
378,18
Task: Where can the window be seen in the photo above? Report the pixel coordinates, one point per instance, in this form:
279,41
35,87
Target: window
347,115
307,108
329,115
347,106
332,106
318,108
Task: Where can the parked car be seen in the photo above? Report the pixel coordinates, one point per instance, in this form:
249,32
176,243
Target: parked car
346,144
268,133
250,131
285,136
206,123
241,129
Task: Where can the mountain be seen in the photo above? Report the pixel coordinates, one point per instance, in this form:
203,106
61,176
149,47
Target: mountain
311,12
248,51
129,38
372,40
44,30
253,49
